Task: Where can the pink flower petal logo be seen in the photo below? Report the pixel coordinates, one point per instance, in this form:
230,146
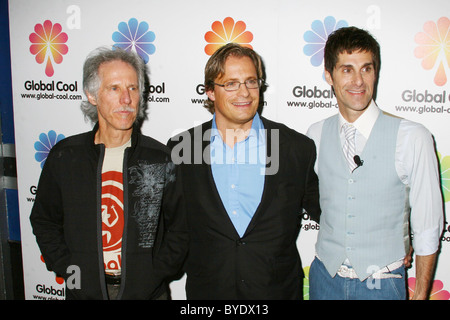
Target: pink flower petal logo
48,45
434,48
437,290
226,32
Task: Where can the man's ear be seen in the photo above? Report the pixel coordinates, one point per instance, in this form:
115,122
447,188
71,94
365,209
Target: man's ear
91,98
210,94
328,77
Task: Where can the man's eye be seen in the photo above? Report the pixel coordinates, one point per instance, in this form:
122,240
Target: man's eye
230,84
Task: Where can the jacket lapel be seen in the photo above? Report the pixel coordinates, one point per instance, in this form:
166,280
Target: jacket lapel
270,180
206,168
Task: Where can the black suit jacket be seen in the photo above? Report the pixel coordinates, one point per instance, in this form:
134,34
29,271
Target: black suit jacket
264,263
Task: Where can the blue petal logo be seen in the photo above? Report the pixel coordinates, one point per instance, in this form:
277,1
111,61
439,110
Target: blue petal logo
317,37
45,143
135,35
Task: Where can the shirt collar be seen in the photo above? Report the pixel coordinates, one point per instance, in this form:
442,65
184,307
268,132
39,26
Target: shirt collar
366,121
255,131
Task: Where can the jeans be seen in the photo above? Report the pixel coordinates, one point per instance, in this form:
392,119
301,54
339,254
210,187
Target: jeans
324,287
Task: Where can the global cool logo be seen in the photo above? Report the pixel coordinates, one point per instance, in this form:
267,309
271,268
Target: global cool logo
48,44
227,32
434,48
317,37
44,144
135,35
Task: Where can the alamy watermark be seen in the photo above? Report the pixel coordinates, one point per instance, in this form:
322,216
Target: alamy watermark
190,149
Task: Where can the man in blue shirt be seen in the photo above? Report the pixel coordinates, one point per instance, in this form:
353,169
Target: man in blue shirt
237,172
242,184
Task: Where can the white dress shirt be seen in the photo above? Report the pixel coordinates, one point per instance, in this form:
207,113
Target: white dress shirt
416,166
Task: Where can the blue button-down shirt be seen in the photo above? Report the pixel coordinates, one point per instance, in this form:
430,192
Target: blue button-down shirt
239,173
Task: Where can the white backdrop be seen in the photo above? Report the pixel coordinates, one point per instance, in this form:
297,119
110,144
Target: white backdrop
175,36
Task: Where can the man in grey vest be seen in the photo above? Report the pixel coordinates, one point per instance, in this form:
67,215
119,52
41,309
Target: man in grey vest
379,182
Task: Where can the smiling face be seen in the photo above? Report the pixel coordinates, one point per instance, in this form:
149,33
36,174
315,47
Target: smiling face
353,80
235,109
117,99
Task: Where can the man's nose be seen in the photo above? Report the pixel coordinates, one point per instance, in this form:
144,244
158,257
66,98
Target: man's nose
243,90
358,79
125,97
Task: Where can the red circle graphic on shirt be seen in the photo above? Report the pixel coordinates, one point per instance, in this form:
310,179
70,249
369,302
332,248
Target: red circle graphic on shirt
112,211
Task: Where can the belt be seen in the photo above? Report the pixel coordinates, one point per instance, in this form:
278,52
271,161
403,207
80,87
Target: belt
113,279
384,273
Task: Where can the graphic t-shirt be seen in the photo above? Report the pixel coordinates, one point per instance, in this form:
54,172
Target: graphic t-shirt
112,208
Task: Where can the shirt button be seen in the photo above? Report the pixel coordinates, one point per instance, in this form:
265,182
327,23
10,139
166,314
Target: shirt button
350,181
234,212
233,186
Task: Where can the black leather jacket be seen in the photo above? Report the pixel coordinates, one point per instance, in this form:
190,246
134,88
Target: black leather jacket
66,216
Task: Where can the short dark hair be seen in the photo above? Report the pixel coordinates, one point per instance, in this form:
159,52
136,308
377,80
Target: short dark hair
351,39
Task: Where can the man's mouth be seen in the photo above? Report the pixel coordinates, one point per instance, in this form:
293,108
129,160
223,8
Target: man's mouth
242,104
124,110
356,91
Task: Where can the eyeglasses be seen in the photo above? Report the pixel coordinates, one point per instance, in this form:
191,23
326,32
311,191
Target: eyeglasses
235,85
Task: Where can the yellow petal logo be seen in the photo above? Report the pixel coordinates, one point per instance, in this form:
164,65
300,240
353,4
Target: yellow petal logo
48,44
434,48
226,32
445,176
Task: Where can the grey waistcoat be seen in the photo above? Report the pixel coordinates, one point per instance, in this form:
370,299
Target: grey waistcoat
365,213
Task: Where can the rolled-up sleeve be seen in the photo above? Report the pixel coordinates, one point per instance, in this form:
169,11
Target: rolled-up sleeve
417,165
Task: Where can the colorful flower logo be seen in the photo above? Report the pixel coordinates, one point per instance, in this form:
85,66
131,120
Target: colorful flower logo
317,37
306,283
135,35
445,176
437,290
48,44
434,48
45,143
227,32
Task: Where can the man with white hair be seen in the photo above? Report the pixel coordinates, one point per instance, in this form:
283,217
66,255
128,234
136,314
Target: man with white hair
101,192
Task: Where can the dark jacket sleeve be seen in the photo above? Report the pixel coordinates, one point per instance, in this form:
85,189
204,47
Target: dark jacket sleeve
47,221
169,258
311,199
